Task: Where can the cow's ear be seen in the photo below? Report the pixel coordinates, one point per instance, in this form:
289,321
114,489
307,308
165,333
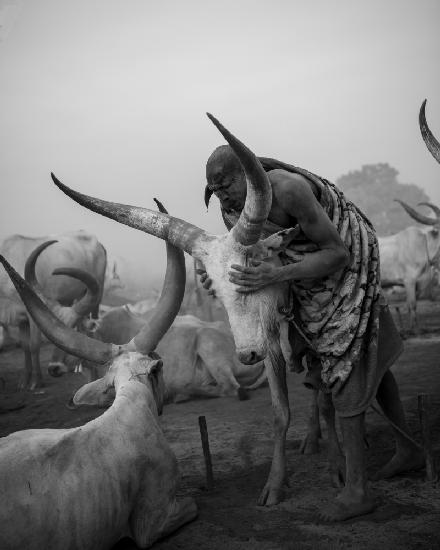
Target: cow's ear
99,393
278,242
154,367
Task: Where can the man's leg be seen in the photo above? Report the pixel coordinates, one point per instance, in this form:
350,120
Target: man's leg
336,460
407,456
310,443
354,499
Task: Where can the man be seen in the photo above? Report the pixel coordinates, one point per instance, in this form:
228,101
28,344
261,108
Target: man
340,323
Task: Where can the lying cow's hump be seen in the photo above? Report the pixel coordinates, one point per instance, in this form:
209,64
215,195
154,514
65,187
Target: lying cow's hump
190,321
36,448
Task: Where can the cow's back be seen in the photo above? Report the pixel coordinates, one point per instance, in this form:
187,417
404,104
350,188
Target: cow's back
78,249
403,254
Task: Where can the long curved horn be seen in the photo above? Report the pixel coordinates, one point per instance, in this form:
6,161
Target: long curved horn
247,230
433,207
168,305
31,278
67,339
428,137
79,309
93,293
416,215
177,232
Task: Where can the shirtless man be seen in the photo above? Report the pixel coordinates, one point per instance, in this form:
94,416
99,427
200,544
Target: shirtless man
349,340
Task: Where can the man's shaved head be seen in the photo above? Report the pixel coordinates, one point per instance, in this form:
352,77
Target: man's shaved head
222,161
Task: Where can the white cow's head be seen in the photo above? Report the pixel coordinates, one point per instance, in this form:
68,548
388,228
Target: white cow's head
253,317
133,361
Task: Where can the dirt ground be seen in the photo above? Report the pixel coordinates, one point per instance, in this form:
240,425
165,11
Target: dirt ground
240,432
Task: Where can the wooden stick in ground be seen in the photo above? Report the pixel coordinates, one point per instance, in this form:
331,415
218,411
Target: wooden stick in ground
206,452
423,406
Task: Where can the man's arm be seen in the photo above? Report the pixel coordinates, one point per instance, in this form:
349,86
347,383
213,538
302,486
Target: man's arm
294,194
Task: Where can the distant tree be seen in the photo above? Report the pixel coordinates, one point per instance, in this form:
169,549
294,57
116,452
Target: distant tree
373,189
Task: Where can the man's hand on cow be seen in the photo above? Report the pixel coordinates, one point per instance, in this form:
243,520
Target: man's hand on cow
206,281
253,277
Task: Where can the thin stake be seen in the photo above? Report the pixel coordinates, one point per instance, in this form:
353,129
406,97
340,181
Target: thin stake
206,452
407,436
423,406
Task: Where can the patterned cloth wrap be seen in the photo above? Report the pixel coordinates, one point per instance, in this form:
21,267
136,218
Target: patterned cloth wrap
336,318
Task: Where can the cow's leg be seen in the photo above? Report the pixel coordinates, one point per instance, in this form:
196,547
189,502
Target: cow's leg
310,443
146,531
24,335
276,375
35,345
410,288
214,356
335,457
407,456
354,499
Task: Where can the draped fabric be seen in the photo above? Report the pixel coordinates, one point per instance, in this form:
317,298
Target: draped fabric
338,314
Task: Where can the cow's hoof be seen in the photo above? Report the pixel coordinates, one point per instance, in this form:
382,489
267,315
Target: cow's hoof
270,495
242,394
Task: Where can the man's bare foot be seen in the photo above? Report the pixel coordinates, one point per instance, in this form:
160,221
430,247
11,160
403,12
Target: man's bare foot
345,508
404,460
336,469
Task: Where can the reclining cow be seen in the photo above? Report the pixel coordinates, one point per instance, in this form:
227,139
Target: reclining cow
198,356
116,476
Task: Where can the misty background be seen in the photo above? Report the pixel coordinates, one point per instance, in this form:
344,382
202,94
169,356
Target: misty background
111,96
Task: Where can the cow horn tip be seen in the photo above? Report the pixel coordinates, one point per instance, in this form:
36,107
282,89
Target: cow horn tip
160,206
214,120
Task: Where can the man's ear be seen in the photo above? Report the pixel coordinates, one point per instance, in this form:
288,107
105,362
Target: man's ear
208,195
99,393
278,242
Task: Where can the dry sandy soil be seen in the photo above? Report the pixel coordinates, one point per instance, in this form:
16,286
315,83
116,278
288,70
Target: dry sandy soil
408,511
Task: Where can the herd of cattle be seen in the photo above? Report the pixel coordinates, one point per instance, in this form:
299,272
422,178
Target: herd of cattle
132,487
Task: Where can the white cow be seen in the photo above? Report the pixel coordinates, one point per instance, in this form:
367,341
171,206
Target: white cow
404,259
116,476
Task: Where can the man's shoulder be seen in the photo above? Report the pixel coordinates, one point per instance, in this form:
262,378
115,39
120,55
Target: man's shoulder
288,186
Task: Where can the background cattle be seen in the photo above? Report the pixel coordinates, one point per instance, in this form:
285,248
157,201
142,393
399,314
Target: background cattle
411,257
78,250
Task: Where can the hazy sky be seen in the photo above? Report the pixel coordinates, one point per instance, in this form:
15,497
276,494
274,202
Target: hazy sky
111,95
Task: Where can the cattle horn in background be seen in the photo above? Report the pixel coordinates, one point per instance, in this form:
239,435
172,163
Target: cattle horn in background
428,137
79,309
247,230
66,338
433,207
416,215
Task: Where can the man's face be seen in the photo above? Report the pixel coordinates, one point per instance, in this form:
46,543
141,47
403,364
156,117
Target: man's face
226,179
